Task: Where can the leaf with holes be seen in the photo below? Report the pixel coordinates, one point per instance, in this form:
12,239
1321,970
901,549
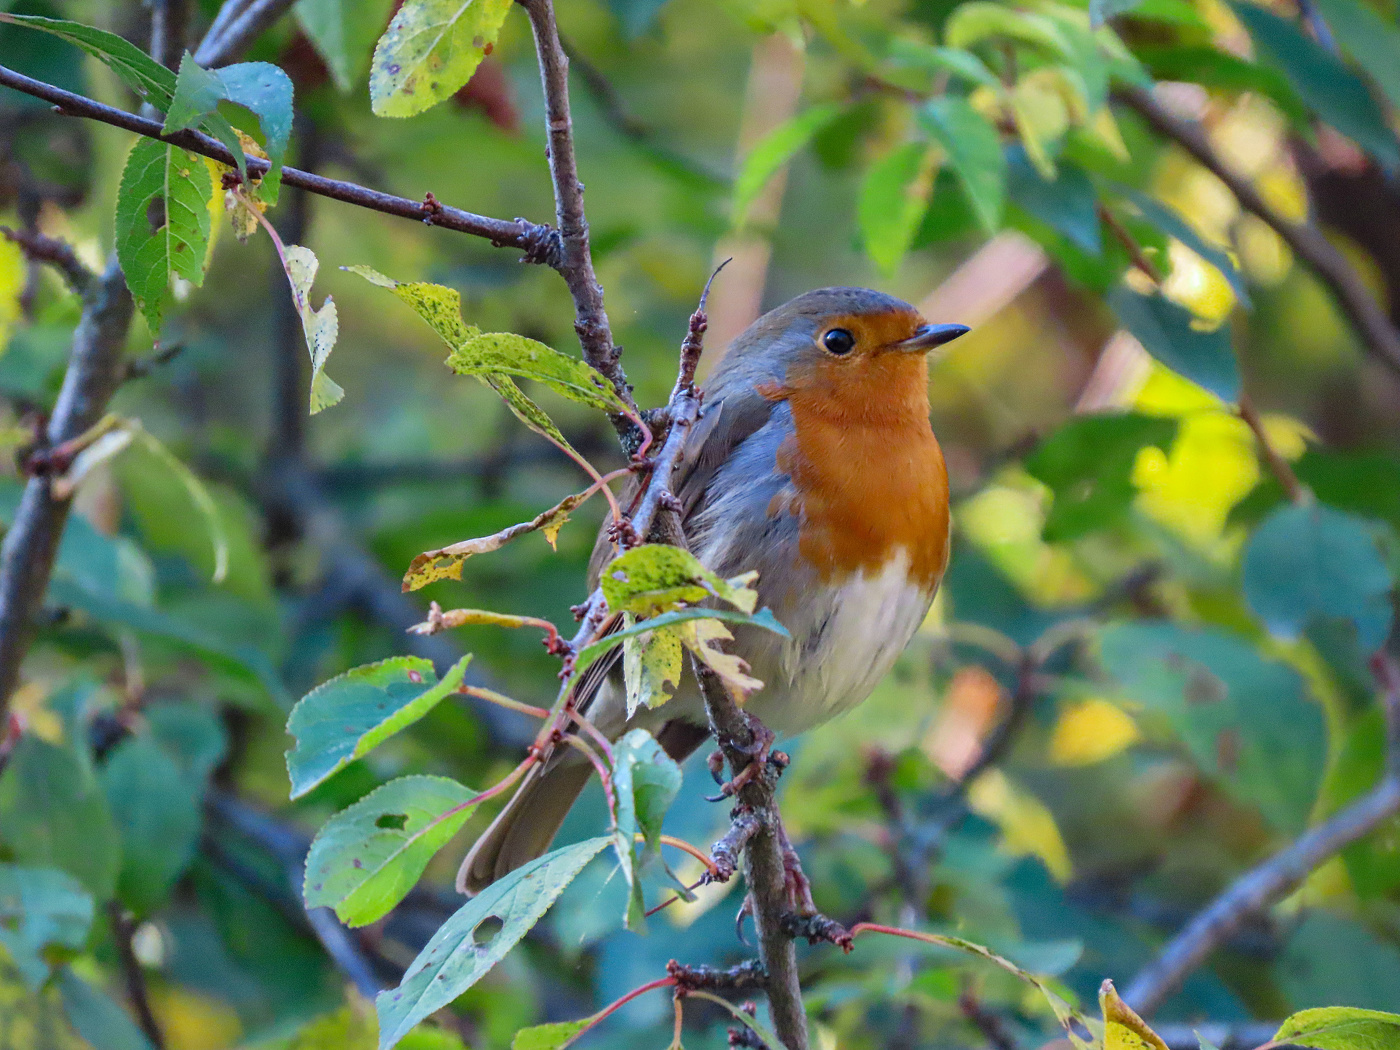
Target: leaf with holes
321,327
651,666
893,200
431,48
646,781
773,151
974,151
470,943
259,87
508,354
1307,561
445,563
590,653
1167,332
39,908
353,713
162,226
367,857
656,577
1341,1028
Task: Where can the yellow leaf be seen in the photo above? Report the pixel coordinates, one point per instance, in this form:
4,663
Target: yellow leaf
1027,827
12,280
1123,1028
651,666
700,637
1090,732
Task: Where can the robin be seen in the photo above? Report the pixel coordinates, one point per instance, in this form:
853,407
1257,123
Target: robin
813,462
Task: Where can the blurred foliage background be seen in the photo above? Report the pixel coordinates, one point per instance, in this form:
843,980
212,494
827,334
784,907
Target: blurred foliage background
1205,694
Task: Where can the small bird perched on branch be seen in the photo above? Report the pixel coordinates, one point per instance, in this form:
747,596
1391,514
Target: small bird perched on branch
814,463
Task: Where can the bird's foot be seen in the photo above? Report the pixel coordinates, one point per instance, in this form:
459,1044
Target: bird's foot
761,756
804,920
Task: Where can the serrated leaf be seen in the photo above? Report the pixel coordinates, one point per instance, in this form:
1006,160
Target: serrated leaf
321,327
40,907
355,712
53,814
1331,90
165,179
259,87
702,637
974,150
651,667
445,563
508,354
367,857
590,653
773,151
1310,561
431,48
646,781
1166,331
1341,1028
894,197
554,1036
453,960
656,577
157,813
1123,1028
137,70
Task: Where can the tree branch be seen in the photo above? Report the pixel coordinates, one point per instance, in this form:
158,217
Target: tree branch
123,929
1256,890
169,20
232,33
58,254
539,243
576,259
1307,241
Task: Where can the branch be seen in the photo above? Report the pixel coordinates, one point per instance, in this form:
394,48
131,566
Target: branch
1278,465
123,928
1280,874
169,20
1306,240
576,259
58,254
237,25
536,241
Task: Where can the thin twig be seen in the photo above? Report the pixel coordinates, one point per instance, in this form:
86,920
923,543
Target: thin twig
56,253
576,258
1135,252
1270,881
745,976
224,42
123,929
1307,241
169,20
536,241
1281,469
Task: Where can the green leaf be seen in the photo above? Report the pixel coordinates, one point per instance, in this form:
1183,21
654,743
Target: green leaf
1067,203
157,813
478,936
590,653
1101,11
554,1036
1331,90
367,857
192,735
166,178
150,80
1221,71
343,33
656,577
320,327
40,907
1245,719
431,48
978,21
974,150
1309,561
1165,331
1372,40
646,780
53,814
1173,225
919,55
259,87
1088,465
355,712
96,1018
496,356
893,200
1341,1028
774,150
1336,960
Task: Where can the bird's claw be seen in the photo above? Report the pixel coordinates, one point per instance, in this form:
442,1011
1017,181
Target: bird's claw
760,754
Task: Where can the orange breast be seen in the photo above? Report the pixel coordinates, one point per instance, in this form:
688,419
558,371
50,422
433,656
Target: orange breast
868,475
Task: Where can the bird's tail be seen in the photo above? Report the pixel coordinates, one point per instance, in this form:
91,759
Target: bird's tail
526,827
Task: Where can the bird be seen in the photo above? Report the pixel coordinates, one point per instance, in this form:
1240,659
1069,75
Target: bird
813,461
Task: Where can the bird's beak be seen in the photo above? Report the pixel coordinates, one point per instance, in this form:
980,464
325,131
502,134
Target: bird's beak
930,335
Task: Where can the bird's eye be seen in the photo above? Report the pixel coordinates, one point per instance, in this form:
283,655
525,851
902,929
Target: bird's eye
839,341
